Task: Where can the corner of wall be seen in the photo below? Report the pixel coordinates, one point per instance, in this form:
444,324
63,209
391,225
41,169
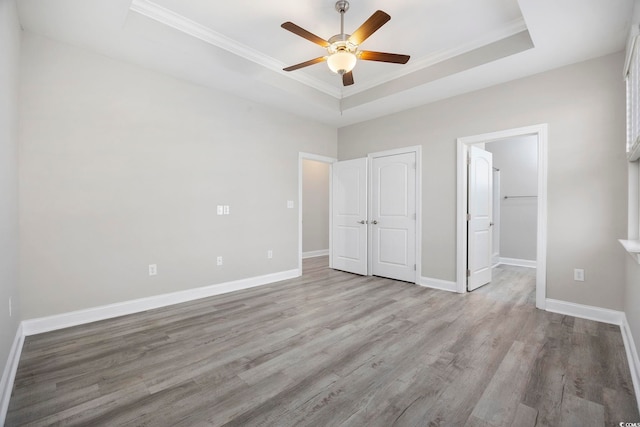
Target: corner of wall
10,39
9,373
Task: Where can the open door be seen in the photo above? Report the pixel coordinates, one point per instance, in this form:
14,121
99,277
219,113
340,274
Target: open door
480,203
349,216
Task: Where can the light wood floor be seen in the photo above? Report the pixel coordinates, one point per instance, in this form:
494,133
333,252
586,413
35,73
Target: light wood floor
332,349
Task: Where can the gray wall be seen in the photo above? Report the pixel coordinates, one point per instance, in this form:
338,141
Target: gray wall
9,60
121,167
315,206
584,106
517,159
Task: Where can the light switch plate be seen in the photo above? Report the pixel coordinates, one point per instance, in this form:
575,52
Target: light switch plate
290,204
220,210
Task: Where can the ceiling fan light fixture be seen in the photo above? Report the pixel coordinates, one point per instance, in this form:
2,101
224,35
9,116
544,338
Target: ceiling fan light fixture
341,62
343,49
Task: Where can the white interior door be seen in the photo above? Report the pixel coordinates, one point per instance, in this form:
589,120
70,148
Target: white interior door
393,217
349,216
480,202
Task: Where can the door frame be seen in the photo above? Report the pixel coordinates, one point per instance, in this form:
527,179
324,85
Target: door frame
318,158
496,216
541,131
417,149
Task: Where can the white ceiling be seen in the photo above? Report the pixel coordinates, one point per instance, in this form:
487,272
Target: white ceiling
238,46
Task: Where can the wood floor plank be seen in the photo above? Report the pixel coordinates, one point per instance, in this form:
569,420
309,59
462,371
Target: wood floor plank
525,417
332,348
88,410
500,399
577,411
616,404
549,372
395,402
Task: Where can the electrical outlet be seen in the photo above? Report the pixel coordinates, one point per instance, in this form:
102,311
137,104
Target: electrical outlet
578,274
269,254
153,269
10,306
219,260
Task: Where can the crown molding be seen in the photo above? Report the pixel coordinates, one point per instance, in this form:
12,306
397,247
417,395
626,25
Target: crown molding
514,27
174,20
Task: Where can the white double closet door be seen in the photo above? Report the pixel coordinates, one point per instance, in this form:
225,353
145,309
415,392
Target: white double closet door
374,216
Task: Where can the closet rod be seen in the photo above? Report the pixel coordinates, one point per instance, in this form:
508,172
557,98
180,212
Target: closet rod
519,197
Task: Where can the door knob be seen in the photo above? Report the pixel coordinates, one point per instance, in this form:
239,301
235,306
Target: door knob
362,222
374,222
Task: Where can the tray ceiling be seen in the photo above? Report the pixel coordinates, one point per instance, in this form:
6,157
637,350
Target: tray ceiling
455,45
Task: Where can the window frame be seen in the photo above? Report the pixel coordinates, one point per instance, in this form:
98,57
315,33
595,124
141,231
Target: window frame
632,93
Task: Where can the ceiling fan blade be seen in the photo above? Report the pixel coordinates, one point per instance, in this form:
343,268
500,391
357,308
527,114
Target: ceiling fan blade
347,78
395,58
370,26
306,63
290,26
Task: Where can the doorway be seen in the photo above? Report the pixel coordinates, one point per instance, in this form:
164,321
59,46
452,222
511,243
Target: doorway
464,148
515,215
315,208
314,183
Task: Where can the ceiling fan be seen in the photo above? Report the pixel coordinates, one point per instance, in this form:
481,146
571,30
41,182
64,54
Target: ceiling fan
343,49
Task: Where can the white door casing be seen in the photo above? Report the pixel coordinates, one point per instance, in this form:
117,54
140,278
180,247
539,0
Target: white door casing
495,243
480,204
541,131
349,216
393,216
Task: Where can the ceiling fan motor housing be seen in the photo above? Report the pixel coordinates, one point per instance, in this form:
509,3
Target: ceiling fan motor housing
340,42
342,6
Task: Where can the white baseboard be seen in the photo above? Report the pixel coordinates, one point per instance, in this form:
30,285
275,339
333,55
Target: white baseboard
50,323
588,312
80,317
313,254
9,373
518,262
632,357
443,285
74,318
